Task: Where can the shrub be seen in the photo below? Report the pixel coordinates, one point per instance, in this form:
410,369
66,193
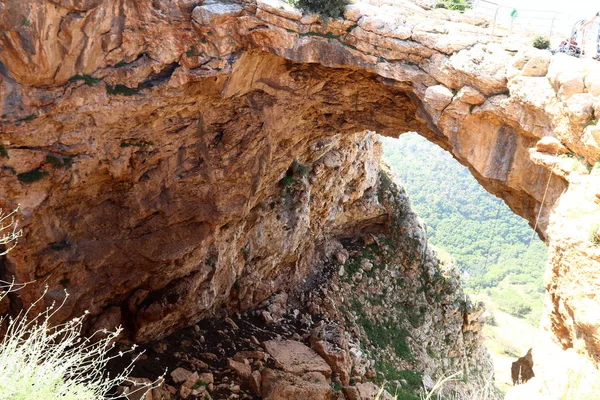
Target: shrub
457,5
31,176
325,8
9,235
541,42
43,361
120,90
510,301
87,79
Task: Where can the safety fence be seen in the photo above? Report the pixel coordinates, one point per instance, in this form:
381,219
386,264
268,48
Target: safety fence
506,20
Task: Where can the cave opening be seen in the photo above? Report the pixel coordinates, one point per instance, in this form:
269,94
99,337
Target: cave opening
499,257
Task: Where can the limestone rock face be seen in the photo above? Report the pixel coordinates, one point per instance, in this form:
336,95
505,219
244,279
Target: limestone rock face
175,158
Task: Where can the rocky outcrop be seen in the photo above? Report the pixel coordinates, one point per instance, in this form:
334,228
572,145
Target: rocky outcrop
176,158
377,310
522,370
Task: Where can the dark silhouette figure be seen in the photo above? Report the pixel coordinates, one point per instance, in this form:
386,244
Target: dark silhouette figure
522,369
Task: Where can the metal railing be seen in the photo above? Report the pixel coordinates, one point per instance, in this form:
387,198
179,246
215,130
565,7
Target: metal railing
506,20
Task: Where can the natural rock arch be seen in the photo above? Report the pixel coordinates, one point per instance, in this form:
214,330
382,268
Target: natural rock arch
194,113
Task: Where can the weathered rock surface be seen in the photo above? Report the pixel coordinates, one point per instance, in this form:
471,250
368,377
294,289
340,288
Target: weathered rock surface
278,385
296,358
175,158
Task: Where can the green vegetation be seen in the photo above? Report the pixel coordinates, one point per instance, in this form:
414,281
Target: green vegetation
295,171
457,5
382,335
512,302
28,118
31,176
541,42
191,52
595,234
43,360
325,8
199,384
286,181
87,79
3,152
120,90
135,143
490,243
60,161
405,392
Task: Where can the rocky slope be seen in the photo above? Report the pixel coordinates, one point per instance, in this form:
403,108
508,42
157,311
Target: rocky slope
376,310
174,159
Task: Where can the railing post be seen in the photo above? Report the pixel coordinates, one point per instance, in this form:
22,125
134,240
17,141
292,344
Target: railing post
552,25
495,17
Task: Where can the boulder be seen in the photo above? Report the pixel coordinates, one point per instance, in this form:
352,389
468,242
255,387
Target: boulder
371,391
296,358
241,369
331,344
280,385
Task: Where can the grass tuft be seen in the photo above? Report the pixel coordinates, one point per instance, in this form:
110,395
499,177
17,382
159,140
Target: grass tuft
31,176
87,79
120,90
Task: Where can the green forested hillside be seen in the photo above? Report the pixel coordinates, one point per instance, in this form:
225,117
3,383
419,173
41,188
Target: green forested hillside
488,241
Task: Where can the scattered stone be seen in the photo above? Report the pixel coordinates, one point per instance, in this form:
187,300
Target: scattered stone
338,395
160,393
280,385
294,357
266,317
366,265
244,356
231,323
171,389
330,343
209,356
255,382
199,364
241,369
369,390
138,389
342,256
191,380
207,378
180,375
160,347
428,382
185,392
351,393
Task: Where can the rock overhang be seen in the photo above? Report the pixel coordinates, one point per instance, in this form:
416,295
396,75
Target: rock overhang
391,68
